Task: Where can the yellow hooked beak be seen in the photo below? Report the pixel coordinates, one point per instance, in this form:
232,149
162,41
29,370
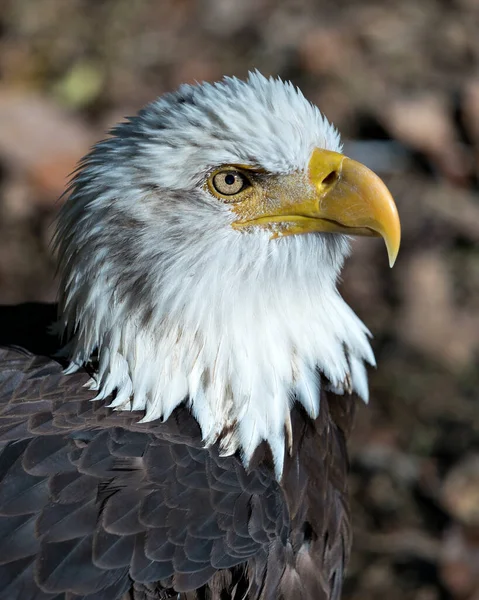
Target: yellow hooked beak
341,195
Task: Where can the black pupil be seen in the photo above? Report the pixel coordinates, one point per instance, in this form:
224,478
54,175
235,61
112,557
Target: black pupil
230,179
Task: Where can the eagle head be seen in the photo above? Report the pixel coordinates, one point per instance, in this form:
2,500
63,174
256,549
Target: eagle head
199,251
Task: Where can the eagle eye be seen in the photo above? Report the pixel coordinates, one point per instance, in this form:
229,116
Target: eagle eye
229,183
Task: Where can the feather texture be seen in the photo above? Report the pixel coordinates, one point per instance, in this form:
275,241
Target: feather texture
100,505
177,305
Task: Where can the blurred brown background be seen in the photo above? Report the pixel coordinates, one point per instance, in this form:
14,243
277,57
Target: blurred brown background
401,81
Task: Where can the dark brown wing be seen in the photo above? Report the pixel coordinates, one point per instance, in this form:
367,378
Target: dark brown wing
94,505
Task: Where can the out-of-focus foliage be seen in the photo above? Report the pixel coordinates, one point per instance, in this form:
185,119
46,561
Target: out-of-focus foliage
401,82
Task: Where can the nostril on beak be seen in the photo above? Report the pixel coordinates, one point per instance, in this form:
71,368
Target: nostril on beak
331,178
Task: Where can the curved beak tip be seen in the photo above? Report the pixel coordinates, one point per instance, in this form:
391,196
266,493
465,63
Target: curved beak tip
393,252
390,230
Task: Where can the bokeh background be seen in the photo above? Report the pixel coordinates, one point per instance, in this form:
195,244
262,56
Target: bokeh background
401,81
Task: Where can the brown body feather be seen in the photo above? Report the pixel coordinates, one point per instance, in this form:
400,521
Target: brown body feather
94,505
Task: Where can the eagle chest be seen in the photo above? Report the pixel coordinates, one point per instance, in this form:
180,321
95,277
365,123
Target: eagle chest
95,505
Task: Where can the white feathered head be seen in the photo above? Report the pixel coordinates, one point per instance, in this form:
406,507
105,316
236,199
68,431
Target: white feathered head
199,251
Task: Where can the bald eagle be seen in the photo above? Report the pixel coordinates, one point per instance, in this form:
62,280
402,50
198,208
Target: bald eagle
199,251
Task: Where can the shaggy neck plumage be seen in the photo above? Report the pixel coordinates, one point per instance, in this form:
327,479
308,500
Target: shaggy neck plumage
240,327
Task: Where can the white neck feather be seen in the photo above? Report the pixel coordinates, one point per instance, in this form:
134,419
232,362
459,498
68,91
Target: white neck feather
239,344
